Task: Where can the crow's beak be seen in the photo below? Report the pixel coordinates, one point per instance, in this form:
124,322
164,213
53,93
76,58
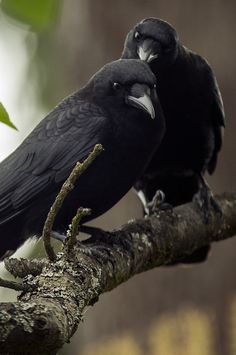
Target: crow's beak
145,51
144,102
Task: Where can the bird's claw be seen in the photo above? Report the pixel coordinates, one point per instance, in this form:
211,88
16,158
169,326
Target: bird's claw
158,203
95,233
58,236
98,252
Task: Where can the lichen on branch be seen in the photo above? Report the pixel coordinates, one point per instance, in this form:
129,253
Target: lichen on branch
50,309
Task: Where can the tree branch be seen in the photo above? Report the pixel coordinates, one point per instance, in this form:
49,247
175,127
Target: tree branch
66,188
46,316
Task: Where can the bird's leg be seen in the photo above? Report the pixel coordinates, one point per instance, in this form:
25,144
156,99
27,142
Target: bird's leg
99,252
95,232
156,204
144,201
92,231
87,246
58,236
206,201
157,201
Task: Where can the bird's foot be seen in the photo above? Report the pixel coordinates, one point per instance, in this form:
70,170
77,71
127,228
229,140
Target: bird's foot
91,248
95,233
158,203
85,247
98,252
206,202
58,236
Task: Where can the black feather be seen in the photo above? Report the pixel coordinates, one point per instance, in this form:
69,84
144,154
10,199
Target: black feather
32,175
193,109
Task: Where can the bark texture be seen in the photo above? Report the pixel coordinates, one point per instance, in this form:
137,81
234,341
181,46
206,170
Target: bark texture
49,312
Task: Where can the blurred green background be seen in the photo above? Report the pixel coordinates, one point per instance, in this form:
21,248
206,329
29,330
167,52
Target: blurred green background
49,48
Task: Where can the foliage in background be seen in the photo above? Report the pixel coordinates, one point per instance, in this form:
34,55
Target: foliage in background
39,15
4,117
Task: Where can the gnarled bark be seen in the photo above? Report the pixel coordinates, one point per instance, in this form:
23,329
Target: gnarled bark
48,313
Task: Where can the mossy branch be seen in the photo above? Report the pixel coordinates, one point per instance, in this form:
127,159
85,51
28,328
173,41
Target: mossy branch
73,232
48,314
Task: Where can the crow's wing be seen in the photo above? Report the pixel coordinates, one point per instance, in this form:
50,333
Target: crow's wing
213,99
218,122
46,157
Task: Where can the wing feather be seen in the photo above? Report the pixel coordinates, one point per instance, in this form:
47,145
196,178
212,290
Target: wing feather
218,121
65,136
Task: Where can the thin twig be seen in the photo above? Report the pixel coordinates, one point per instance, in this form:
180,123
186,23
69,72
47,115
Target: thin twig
13,285
73,230
66,188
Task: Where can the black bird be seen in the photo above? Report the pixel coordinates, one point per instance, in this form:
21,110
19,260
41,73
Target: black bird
118,108
194,113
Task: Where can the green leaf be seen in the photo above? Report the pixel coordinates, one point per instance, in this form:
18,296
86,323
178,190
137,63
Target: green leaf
4,117
39,14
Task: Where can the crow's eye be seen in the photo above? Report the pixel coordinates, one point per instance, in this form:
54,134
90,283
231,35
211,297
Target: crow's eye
137,36
116,86
154,86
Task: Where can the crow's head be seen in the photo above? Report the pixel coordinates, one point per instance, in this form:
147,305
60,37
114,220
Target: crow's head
152,40
126,85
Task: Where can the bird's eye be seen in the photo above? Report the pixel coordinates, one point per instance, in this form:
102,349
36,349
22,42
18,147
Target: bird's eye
154,86
116,86
137,36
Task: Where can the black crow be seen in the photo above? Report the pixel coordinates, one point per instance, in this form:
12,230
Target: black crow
118,108
194,113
